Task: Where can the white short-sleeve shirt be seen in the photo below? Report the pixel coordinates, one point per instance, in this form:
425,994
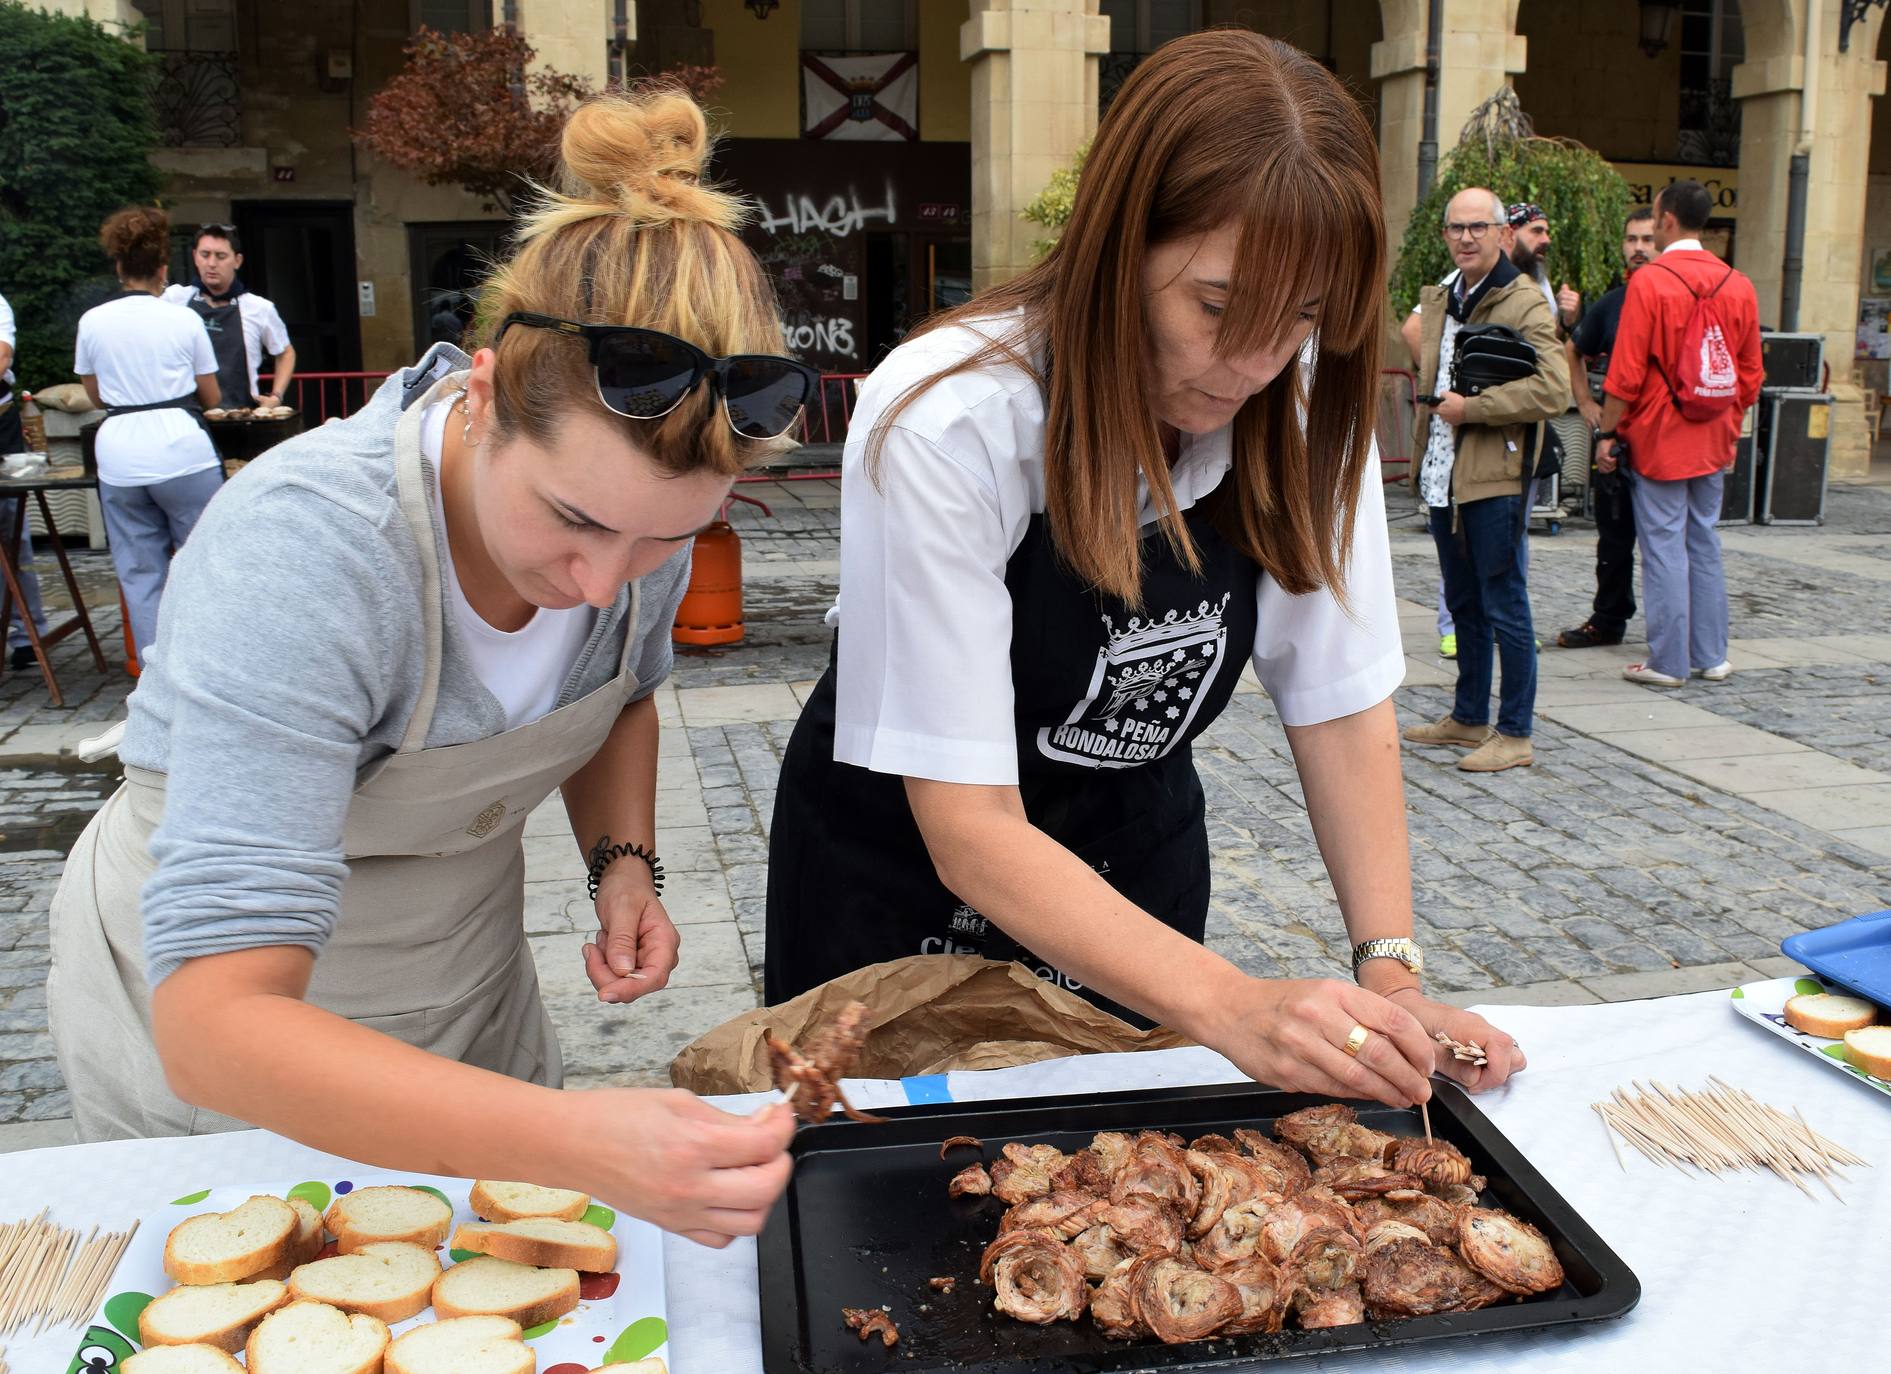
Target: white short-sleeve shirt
143,349
264,334
8,338
924,672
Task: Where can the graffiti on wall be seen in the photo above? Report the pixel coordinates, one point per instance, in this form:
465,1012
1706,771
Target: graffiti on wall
837,216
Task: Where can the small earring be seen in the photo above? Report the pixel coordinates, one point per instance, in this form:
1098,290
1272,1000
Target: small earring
467,433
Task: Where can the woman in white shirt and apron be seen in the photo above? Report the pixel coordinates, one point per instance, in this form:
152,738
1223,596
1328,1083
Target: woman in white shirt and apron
390,639
149,363
1074,509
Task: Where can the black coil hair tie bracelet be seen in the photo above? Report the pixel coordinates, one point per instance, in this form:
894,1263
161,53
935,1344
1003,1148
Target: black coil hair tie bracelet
603,853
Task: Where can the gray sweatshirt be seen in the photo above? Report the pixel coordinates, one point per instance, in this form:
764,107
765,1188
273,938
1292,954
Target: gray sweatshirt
289,658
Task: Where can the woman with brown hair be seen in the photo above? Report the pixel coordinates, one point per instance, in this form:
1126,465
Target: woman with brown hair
153,370
1075,508
390,639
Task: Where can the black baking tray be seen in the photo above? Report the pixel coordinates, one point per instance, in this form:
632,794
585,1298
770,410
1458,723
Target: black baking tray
866,1221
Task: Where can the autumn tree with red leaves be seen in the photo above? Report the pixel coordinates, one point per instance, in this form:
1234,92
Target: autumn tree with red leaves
465,111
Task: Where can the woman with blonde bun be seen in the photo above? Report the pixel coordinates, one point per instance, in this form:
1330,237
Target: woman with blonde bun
385,645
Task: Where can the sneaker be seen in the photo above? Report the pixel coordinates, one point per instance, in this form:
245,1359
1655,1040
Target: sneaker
1448,647
21,657
1497,753
1720,672
1648,677
1587,636
1449,730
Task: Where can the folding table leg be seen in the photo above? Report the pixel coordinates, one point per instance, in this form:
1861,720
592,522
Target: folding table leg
72,583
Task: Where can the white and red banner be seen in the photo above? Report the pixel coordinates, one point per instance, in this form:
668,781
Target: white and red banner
872,96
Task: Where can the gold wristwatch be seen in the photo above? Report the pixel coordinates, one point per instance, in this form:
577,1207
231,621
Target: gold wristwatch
1405,951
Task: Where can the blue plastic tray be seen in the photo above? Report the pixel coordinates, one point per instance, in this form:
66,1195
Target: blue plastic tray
1856,953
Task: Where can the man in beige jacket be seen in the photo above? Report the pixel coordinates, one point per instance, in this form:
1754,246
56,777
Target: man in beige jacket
1476,459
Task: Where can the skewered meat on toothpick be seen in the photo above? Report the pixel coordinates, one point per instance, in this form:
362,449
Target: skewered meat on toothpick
811,1076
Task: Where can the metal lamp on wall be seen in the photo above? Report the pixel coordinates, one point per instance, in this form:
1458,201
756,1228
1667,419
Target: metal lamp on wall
1657,17
761,9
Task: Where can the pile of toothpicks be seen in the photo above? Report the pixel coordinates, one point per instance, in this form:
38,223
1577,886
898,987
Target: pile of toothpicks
1720,1130
50,1277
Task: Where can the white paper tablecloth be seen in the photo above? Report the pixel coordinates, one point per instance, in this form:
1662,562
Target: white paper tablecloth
1742,1267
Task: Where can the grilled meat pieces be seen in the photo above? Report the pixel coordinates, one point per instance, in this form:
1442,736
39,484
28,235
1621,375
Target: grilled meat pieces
1037,1277
871,1321
1025,1172
1409,1278
1508,1251
971,1181
1179,1302
811,1075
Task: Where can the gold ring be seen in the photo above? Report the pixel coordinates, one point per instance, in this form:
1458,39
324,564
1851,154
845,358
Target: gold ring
1356,1040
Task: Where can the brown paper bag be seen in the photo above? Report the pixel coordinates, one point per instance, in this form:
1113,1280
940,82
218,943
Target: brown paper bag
929,1013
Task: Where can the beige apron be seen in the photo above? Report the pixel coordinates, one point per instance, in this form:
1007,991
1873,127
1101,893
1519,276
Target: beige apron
430,946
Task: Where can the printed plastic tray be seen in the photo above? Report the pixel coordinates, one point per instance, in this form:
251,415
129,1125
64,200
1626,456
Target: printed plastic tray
1764,1004
622,1315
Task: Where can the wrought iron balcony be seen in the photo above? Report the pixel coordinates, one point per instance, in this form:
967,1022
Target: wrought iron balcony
196,100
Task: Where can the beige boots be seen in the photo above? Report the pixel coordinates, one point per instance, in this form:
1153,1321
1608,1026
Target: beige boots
1491,752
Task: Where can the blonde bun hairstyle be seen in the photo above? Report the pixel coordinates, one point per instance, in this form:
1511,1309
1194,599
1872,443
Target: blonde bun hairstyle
631,234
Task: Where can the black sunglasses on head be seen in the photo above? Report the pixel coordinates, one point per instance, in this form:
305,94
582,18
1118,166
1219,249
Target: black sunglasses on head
643,374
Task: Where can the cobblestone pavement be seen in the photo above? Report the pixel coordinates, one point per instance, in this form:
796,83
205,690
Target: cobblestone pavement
1662,842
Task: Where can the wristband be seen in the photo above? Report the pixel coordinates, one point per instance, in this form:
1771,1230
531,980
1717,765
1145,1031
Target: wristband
603,853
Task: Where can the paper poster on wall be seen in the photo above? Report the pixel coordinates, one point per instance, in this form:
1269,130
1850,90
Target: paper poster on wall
1881,271
1874,327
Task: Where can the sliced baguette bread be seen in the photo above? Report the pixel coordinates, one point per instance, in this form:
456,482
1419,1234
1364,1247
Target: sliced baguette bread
493,1201
368,1215
215,1314
487,1287
1870,1050
305,1246
541,1241
1828,1014
181,1359
388,1279
228,1247
463,1345
314,1338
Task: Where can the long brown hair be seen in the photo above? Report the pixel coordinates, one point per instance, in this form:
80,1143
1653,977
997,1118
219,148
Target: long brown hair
631,235
1220,127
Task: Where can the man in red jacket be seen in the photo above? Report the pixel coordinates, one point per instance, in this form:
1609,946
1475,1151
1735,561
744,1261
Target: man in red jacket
1678,464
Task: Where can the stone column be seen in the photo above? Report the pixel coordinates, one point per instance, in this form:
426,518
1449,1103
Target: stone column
1034,102
1478,51
1770,86
571,36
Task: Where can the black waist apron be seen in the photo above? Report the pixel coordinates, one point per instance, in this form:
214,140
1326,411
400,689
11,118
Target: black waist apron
1107,700
224,324
190,405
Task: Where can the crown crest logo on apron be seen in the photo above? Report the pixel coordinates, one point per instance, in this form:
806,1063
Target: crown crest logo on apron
487,821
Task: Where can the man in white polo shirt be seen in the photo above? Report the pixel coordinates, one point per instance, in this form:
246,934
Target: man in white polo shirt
244,328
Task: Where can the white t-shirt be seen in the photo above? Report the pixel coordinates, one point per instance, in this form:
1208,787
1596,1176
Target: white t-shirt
524,669
8,338
924,677
264,335
143,349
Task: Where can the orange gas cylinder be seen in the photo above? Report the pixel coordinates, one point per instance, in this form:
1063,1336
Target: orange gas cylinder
131,647
711,612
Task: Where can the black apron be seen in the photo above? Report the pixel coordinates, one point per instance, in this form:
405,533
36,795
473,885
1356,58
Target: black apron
224,324
1107,700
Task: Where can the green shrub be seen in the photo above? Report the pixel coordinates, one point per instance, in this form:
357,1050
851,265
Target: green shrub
76,135
1051,206
1583,197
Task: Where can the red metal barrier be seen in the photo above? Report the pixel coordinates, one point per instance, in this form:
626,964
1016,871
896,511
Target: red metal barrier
324,396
